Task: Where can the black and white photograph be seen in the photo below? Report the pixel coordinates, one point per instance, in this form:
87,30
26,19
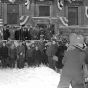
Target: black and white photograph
43,43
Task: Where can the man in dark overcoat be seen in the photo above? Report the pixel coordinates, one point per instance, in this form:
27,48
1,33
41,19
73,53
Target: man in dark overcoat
6,33
4,55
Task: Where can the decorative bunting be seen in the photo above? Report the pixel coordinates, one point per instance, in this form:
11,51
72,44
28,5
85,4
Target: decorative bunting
60,4
23,20
27,4
12,1
86,11
70,1
64,21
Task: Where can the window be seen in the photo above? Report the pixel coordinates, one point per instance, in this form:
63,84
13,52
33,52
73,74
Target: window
73,15
13,14
44,10
12,18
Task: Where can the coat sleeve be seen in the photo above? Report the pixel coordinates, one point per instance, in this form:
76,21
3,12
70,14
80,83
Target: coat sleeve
27,54
86,56
0,51
64,59
9,51
17,50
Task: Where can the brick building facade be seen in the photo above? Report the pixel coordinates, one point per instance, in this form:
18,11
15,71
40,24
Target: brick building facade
44,12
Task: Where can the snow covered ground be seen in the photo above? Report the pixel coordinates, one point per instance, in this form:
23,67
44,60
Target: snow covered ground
36,77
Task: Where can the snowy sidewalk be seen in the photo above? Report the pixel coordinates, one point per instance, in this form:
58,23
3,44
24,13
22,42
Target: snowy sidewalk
39,77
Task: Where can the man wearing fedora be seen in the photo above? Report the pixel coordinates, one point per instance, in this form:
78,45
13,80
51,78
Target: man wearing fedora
72,72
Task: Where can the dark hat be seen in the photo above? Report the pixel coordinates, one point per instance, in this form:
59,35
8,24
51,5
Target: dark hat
5,25
23,25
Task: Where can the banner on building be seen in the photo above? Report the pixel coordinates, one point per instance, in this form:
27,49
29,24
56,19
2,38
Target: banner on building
24,20
86,11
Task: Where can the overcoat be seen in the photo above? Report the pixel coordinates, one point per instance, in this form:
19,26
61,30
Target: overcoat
72,69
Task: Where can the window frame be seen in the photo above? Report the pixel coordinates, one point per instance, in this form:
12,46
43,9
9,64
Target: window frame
44,5
77,14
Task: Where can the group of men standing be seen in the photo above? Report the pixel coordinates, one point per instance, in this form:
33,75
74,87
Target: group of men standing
26,33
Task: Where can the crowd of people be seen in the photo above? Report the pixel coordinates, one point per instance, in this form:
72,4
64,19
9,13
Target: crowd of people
26,32
65,57
33,53
33,46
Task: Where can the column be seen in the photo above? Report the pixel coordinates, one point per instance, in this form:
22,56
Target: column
37,10
4,13
32,8
20,10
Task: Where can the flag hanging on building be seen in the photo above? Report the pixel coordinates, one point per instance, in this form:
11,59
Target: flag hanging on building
27,4
24,20
60,4
86,11
1,22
